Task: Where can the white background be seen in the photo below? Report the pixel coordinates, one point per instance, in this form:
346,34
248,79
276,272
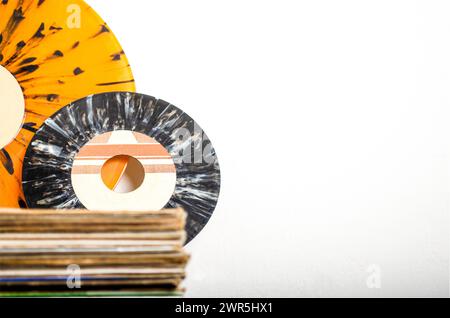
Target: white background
331,122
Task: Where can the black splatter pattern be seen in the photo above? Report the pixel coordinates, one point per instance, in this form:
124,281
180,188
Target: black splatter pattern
6,161
49,158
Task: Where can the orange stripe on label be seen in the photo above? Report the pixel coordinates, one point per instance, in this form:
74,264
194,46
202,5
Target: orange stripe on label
116,178
137,157
101,139
137,150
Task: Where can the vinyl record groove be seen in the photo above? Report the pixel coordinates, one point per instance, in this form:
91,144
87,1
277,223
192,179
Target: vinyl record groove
49,160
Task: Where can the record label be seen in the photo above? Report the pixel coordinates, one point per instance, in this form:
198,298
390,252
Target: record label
149,194
12,107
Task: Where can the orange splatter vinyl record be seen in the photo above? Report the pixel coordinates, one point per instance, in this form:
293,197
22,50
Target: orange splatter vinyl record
52,52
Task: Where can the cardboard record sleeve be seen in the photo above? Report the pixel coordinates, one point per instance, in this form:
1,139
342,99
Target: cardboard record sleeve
38,260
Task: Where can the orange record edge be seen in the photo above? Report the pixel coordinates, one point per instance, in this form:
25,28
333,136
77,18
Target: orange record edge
59,51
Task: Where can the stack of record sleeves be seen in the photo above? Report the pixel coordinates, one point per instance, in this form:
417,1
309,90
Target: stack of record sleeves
78,253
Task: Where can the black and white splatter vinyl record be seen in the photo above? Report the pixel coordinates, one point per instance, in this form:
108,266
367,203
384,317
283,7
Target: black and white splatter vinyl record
63,164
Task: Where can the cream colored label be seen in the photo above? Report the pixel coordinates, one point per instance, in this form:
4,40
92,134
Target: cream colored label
12,107
159,181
